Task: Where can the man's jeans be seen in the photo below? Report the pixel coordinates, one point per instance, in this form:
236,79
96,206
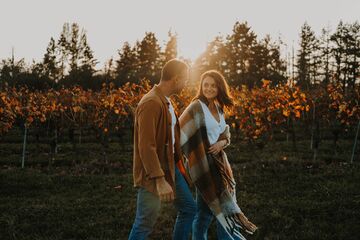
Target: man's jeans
203,220
148,208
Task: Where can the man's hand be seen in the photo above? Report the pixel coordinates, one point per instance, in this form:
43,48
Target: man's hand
217,147
164,190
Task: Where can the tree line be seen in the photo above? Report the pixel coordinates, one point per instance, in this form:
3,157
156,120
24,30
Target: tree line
244,59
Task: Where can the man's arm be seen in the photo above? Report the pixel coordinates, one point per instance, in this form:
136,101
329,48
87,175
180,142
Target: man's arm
149,114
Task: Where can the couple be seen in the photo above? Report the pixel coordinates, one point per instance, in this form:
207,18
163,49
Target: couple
171,154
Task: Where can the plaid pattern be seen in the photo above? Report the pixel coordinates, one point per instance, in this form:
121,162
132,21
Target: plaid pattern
211,174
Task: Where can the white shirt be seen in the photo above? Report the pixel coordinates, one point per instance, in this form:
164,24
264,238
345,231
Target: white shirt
173,122
213,127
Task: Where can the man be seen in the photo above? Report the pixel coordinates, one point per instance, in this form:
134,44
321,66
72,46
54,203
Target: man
156,153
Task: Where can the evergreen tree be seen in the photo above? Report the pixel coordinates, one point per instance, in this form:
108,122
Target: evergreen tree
304,64
325,49
50,68
149,58
240,45
171,47
126,65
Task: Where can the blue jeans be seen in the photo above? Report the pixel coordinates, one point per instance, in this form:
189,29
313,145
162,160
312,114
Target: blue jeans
203,220
148,208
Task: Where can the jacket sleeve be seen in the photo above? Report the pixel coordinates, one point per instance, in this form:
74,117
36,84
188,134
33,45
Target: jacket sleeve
225,136
148,115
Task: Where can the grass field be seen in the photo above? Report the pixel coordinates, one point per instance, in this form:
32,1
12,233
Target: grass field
284,192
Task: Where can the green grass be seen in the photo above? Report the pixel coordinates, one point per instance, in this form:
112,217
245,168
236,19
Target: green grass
284,192
35,205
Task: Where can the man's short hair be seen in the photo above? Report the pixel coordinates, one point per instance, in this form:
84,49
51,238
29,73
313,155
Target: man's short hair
172,68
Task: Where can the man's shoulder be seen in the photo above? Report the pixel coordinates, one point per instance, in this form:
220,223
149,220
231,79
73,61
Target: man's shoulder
151,99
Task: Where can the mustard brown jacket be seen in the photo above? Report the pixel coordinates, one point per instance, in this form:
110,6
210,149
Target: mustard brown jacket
153,151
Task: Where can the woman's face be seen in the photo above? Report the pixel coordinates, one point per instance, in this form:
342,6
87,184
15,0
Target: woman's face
209,88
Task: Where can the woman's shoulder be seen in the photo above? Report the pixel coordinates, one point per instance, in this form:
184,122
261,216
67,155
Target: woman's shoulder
196,103
193,108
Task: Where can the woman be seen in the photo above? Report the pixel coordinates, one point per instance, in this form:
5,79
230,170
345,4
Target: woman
204,135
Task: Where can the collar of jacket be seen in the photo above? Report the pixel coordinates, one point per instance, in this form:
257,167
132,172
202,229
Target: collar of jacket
160,94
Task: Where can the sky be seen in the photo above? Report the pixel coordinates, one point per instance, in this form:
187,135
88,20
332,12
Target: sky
28,25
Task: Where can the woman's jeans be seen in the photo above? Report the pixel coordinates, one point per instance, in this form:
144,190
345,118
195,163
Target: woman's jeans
148,208
203,220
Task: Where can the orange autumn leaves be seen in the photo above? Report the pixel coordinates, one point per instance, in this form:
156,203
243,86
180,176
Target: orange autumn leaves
73,107
8,109
344,105
256,112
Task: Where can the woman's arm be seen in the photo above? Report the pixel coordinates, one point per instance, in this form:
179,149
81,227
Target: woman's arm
225,135
222,142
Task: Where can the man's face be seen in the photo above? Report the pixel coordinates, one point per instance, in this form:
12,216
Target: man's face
182,81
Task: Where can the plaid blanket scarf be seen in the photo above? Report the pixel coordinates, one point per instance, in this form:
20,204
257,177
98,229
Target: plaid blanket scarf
211,174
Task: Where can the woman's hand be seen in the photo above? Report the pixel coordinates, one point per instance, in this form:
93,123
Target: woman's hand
217,147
